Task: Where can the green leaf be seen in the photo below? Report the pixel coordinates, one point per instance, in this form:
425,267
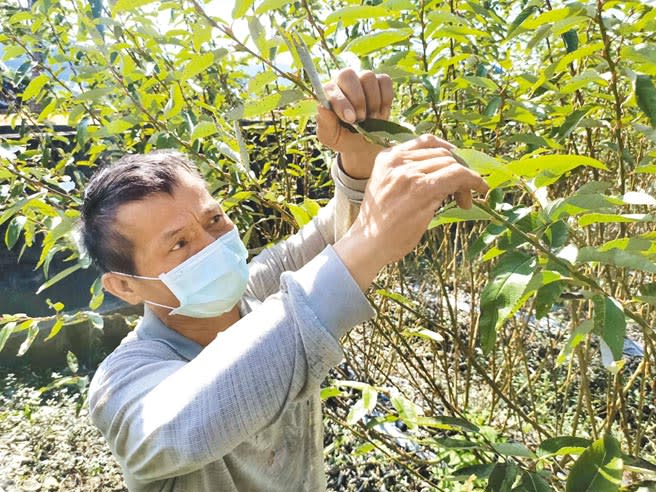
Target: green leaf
12,51
598,218
562,445
357,413
534,482
97,294
201,34
547,169
502,478
63,274
645,93
401,299
481,82
268,5
196,65
32,332
571,122
304,108
363,406
482,470
300,214
96,319
554,15
13,230
5,333
610,324
616,257
116,127
519,20
351,14
56,328
492,106
586,50
388,131
424,333
175,103
330,392
494,171
369,43
34,87
452,443
203,129
241,7
258,34
446,422
509,281
577,336
19,204
513,449
455,214
259,81
408,411
129,5
637,465
571,39
598,469
546,297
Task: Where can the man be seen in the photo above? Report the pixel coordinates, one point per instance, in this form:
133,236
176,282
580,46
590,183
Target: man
217,389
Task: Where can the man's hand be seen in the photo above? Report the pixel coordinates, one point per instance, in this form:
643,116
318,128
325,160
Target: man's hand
408,184
354,97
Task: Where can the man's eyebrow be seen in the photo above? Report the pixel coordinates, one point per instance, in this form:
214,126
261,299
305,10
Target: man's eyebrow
172,232
212,208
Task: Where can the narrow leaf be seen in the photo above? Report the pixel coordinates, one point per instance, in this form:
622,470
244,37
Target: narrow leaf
610,324
598,469
646,96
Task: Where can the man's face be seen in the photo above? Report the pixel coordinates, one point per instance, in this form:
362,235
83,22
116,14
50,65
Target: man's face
165,230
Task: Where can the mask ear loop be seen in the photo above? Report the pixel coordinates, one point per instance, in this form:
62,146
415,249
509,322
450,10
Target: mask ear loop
160,305
146,278
135,276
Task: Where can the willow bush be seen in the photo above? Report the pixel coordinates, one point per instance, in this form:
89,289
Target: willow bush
498,346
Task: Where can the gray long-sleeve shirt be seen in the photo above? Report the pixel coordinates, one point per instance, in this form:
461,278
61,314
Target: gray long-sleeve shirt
242,413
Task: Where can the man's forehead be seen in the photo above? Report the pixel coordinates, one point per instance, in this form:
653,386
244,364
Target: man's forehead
156,211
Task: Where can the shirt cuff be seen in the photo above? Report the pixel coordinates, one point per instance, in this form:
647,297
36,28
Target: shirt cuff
351,187
332,293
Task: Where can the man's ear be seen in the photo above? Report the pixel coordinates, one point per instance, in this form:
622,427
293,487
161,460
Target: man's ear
121,287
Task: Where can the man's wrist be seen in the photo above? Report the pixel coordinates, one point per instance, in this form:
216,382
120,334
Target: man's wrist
359,259
357,165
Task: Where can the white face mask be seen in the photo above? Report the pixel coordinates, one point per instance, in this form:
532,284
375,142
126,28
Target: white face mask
210,282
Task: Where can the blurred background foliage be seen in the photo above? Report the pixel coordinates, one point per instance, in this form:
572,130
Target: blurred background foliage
514,350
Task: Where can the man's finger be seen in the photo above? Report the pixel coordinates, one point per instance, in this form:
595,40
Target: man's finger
339,103
454,178
372,96
386,95
328,127
464,199
424,142
349,83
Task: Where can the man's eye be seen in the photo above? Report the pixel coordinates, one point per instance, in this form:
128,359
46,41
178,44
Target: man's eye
217,218
179,245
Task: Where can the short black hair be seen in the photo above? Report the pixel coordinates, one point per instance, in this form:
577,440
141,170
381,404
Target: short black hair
131,178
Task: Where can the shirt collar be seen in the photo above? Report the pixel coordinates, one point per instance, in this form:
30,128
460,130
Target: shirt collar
152,328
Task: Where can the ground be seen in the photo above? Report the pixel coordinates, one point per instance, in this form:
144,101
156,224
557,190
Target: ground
47,443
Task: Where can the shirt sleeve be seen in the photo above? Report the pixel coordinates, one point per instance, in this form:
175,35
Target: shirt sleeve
329,225
164,417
